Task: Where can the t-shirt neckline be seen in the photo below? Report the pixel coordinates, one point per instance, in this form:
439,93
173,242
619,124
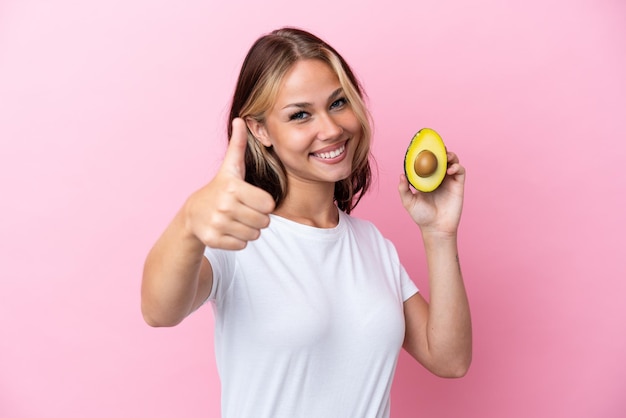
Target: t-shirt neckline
311,231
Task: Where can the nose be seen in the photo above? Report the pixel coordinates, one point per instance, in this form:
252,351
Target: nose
329,128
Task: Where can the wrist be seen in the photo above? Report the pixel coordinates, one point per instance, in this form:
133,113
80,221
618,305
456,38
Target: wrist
434,234
440,242
187,235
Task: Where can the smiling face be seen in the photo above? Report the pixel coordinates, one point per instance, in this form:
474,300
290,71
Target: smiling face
311,126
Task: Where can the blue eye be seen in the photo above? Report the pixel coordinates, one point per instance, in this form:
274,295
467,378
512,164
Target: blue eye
298,116
339,103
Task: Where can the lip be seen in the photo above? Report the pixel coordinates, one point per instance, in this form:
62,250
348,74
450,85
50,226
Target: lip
329,150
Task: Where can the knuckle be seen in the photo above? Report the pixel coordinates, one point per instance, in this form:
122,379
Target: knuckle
210,239
232,186
255,235
240,245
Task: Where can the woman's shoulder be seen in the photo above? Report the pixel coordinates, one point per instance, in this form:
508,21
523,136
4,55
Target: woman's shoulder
359,225
367,236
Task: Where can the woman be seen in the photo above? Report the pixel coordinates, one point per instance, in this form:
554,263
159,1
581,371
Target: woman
311,304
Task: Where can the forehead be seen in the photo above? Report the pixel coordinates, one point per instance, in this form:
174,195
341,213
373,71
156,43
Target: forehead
309,77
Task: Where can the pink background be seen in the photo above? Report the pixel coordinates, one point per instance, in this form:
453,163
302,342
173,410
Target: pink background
111,113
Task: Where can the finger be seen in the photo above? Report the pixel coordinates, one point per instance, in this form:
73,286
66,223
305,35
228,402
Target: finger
225,229
452,158
256,198
456,169
406,195
228,242
243,232
250,217
227,234
234,160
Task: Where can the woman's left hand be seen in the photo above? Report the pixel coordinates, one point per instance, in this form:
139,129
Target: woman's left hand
438,211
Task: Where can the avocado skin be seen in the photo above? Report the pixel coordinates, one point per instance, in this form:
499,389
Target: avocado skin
426,138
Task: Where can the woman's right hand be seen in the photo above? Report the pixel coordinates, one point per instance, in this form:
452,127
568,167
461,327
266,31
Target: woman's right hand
228,212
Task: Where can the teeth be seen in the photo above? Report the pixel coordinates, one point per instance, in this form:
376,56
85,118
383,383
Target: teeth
331,154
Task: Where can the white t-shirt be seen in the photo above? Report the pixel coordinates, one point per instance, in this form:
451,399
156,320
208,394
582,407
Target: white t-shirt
309,322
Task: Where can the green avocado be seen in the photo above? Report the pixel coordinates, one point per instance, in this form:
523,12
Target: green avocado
426,160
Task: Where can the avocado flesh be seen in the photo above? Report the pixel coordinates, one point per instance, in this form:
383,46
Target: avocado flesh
426,139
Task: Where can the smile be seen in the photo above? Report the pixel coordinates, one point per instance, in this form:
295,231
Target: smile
330,154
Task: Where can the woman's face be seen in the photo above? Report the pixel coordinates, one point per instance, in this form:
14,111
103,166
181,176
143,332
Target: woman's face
312,126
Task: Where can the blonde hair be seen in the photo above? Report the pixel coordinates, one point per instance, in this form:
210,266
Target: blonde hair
262,72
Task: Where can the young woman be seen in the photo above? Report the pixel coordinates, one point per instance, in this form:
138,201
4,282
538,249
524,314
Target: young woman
311,304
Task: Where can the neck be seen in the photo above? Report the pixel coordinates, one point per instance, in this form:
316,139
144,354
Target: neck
313,206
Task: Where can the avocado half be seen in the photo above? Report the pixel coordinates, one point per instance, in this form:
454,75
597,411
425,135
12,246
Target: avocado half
426,160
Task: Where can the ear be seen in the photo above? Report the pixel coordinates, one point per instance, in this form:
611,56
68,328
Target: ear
259,131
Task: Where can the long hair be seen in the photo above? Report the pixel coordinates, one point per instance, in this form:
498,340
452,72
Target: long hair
263,69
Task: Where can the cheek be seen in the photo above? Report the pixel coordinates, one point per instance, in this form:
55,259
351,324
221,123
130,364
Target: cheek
360,147
354,128
293,145
286,139
351,123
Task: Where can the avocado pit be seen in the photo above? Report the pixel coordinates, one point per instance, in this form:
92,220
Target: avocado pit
425,163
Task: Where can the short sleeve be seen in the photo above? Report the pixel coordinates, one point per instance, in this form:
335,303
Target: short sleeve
408,286
223,266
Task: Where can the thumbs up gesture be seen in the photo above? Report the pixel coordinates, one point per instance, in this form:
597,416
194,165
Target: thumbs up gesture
228,212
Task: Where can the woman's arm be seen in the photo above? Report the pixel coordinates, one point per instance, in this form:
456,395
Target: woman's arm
439,333
177,278
226,214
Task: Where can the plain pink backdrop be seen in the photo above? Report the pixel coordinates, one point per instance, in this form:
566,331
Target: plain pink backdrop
111,113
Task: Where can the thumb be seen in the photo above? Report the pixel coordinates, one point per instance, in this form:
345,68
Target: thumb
234,160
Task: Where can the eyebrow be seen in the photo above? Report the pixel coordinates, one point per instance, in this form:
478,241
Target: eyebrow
332,97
